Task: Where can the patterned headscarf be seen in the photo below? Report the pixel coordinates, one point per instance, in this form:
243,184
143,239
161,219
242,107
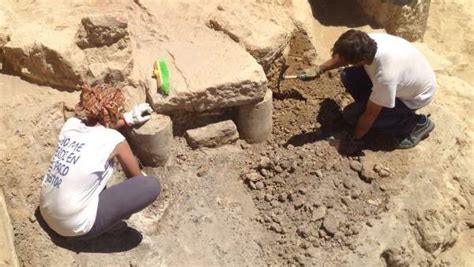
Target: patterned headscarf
100,103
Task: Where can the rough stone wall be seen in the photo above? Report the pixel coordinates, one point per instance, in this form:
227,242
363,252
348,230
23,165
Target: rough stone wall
404,18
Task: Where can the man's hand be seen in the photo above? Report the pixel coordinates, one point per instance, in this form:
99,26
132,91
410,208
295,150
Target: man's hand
367,119
351,146
139,114
310,73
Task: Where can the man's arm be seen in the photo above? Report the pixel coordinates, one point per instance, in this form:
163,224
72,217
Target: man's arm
367,119
315,72
335,62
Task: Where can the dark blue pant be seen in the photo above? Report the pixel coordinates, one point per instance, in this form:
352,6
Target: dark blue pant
398,120
120,201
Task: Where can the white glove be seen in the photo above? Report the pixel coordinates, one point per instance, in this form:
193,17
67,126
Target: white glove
137,115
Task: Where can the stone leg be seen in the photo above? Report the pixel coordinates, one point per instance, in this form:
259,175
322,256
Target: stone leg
152,141
254,121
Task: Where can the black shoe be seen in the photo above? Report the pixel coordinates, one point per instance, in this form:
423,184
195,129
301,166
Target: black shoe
420,132
118,229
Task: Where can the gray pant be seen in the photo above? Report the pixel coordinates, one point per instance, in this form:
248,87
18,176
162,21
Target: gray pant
120,201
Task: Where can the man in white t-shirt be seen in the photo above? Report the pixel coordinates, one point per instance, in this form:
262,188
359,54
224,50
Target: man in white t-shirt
389,80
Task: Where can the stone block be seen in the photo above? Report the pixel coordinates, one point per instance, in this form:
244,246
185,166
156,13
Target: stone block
213,135
43,55
404,18
261,35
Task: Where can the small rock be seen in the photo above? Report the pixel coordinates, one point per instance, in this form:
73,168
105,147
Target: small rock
322,233
252,185
274,203
339,235
275,218
356,165
330,224
244,145
203,170
253,177
278,169
348,182
285,164
345,201
381,170
282,197
299,259
259,185
276,228
319,213
354,230
293,167
266,218
355,193
32,219
298,204
367,176
264,173
302,232
384,173
319,173
268,197
370,223
264,163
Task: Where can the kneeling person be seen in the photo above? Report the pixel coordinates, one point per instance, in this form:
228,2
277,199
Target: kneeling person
389,80
74,199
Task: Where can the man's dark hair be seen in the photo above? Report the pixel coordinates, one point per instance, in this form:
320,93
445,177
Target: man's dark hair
355,46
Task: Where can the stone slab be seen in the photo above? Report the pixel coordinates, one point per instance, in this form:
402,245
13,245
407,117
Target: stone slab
264,37
207,71
213,135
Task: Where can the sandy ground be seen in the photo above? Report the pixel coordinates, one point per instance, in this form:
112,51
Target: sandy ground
314,208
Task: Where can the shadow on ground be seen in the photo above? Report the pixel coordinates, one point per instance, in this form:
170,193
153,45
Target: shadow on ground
332,124
341,13
105,243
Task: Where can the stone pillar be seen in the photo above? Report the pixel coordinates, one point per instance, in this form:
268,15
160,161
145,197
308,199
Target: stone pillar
255,121
152,142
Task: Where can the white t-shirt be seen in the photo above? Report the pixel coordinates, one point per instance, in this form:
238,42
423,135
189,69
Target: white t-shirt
79,171
399,70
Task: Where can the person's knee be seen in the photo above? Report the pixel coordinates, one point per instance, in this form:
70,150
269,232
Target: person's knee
152,186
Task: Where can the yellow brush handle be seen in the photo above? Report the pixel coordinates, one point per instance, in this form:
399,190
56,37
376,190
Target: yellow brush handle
157,74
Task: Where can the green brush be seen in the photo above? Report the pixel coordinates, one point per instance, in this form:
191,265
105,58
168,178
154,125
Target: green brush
161,74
